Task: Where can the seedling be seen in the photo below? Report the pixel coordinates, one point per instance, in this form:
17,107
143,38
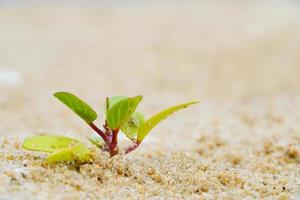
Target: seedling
121,116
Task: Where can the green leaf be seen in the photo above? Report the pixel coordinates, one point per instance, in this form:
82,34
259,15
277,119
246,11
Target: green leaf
113,100
78,152
62,155
48,143
77,105
122,111
130,127
60,148
148,125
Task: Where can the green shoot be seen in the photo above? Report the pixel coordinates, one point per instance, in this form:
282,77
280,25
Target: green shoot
120,115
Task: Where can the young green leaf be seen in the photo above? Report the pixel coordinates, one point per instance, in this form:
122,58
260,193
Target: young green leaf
62,155
122,111
130,127
113,100
148,125
61,148
48,143
78,152
77,105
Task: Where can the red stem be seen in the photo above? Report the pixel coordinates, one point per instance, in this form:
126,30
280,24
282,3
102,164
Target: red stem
103,135
113,148
111,140
115,136
132,147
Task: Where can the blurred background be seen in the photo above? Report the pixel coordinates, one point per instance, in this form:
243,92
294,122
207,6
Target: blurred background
170,51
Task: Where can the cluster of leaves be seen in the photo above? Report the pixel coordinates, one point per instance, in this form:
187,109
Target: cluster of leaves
120,115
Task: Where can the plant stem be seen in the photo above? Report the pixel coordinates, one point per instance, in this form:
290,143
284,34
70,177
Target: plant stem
132,147
110,138
115,137
113,148
103,135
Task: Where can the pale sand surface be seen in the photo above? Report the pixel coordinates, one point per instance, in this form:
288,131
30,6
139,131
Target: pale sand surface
242,60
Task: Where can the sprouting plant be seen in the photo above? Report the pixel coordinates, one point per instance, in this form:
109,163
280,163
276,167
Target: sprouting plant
121,116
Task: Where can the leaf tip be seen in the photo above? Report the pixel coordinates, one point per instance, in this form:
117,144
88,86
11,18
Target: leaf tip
194,102
139,97
58,93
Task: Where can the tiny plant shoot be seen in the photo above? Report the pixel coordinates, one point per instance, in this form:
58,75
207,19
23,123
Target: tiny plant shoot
121,116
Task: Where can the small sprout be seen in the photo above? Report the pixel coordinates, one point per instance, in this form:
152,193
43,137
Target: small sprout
120,115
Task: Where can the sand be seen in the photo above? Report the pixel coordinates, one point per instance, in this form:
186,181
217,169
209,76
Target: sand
241,60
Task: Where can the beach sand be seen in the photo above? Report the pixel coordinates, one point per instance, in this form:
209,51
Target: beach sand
241,60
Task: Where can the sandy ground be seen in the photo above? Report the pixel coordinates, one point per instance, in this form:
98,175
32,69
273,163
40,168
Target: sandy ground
240,59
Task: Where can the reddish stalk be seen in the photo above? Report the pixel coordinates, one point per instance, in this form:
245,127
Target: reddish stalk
110,138
100,133
113,147
132,147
